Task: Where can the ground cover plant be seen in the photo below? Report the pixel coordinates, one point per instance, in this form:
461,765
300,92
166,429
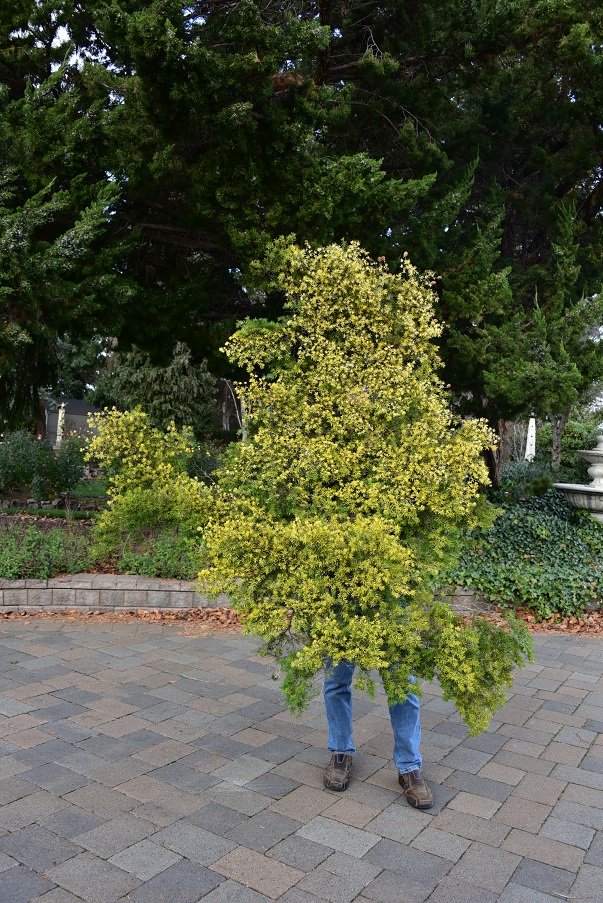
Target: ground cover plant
331,520
539,553
26,551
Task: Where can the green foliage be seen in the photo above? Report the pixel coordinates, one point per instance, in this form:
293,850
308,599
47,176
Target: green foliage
181,390
31,463
26,552
539,553
165,554
143,513
333,518
578,434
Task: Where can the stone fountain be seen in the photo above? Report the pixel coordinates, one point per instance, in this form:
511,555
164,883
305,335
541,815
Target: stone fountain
589,497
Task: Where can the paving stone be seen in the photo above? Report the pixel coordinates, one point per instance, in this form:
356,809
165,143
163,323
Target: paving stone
594,855
342,838
580,814
551,852
578,776
304,803
472,804
242,770
483,787
339,879
567,832
7,862
524,762
540,789
544,878
486,866
471,826
501,773
262,831
300,853
517,813
38,848
216,819
145,859
240,798
451,890
55,778
387,887
92,878
185,882
267,876
273,785
21,885
29,809
232,892
412,863
58,895
70,821
588,884
115,835
517,893
441,843
398,823
195,843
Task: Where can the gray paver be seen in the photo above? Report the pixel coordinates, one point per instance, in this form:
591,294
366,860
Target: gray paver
92,878
38,848
339,879
193,842
145,859
21,885
544,878
343,838
110,747
185,882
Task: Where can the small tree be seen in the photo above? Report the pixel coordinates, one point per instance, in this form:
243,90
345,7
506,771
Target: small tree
334,516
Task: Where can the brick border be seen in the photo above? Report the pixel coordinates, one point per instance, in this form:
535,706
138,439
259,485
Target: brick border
102,592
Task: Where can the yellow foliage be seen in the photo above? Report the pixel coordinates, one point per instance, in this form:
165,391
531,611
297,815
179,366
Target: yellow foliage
334,516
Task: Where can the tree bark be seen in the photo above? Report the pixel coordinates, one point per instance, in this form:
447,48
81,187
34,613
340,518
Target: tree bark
558,424
495,455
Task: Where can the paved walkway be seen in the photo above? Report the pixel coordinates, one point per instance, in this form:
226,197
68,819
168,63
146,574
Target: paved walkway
138,764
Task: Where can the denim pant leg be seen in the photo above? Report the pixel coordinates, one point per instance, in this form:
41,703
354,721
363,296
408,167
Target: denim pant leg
338,706
406,725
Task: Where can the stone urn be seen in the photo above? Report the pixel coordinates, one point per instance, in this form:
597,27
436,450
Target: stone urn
589,496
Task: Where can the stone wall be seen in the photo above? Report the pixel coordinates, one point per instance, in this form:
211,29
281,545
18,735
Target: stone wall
102,592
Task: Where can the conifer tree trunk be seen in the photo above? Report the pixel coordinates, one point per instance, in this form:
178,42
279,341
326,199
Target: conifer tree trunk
558,424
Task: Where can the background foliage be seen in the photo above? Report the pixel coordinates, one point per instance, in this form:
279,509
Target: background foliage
152,150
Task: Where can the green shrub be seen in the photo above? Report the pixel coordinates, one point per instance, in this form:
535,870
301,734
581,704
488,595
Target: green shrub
168,555
26,552
578,434
522,478
31,463
539,553
138,515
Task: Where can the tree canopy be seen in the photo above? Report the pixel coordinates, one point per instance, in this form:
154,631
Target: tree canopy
151,151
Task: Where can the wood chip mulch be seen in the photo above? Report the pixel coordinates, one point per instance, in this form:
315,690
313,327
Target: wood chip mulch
195,621
206,619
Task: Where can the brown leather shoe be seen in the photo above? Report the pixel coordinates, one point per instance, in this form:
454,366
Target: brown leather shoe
337,773
416,790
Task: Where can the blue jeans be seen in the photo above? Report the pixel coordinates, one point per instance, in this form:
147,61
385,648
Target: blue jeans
404,717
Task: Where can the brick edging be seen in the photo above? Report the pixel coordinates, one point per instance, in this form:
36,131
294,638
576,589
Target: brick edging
103,592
